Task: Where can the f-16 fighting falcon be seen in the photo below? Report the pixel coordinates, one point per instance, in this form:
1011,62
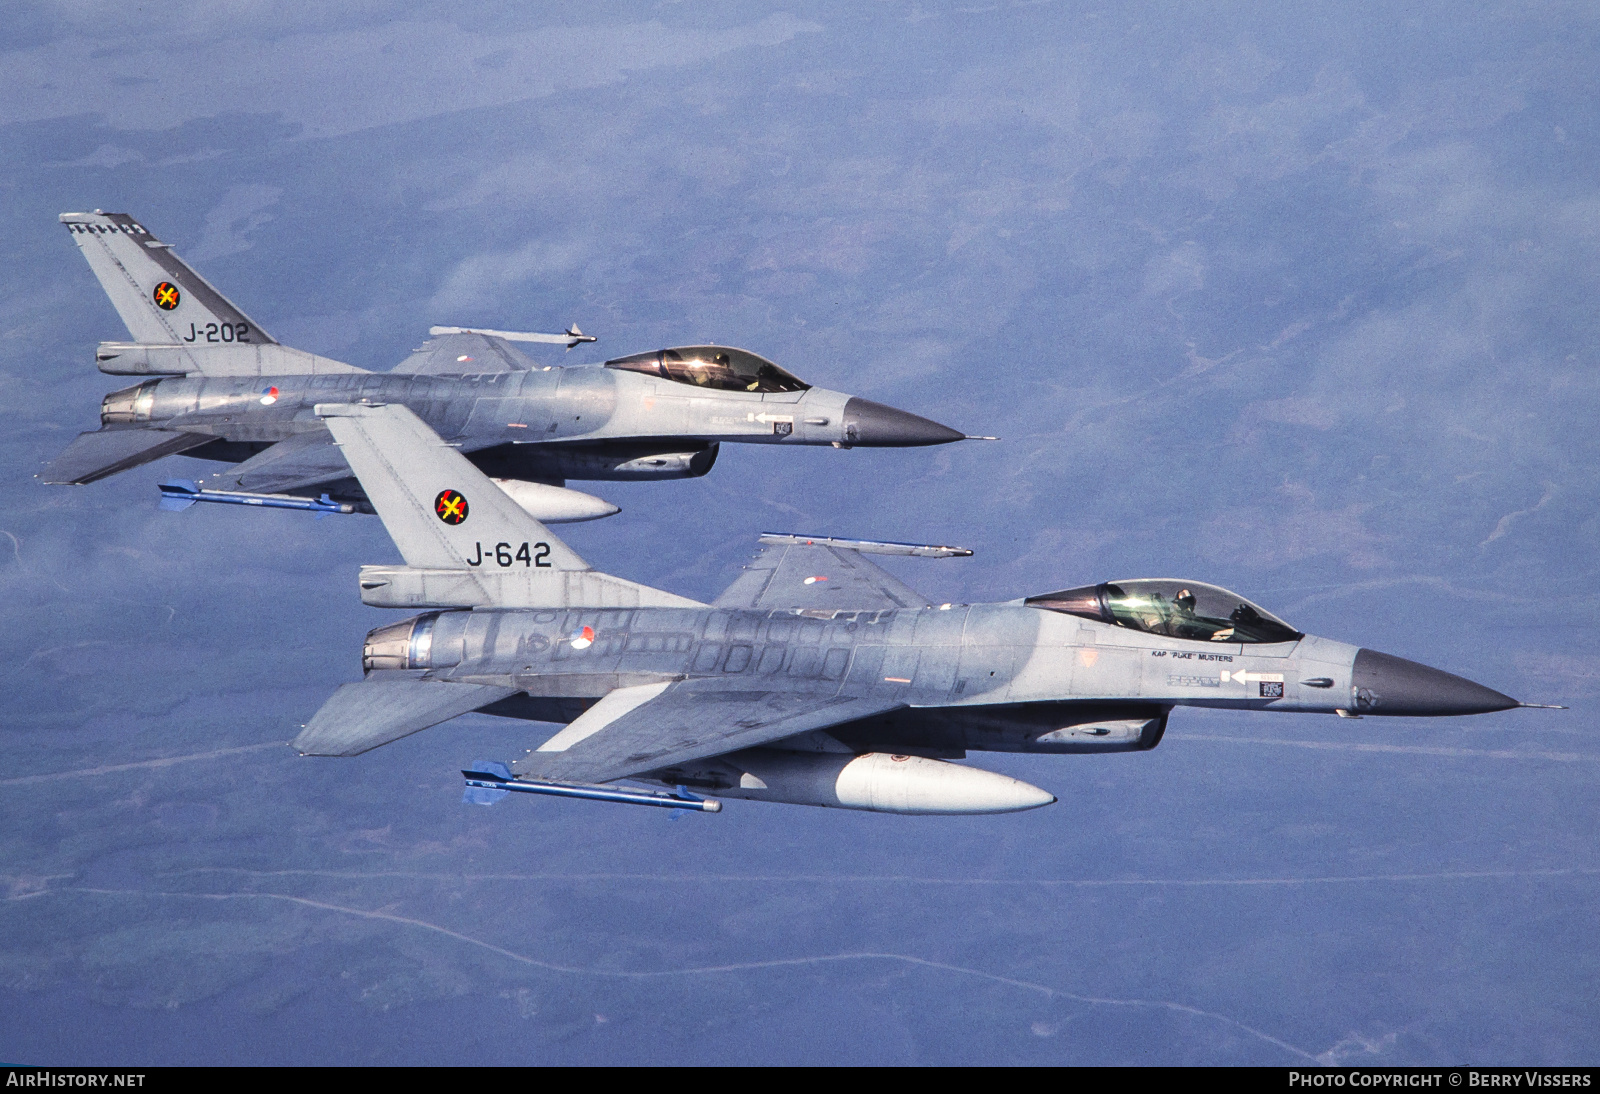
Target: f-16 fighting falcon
224,389
816,678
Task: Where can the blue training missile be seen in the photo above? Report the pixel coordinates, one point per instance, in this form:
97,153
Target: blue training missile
490,780
179,494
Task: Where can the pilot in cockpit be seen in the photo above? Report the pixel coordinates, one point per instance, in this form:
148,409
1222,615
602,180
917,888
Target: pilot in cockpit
1183,623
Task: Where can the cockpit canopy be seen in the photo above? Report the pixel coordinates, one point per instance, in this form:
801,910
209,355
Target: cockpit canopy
1175,609
721,367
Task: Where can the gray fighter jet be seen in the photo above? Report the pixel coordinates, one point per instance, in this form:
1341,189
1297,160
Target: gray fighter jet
225,390
816,679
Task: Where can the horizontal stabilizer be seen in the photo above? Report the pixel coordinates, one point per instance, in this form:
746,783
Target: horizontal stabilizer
361,716
94,456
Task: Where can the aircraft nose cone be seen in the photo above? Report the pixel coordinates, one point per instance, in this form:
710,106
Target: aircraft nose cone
1392,685
873,425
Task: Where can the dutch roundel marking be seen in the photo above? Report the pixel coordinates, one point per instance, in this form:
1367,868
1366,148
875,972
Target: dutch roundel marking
451,506
166,296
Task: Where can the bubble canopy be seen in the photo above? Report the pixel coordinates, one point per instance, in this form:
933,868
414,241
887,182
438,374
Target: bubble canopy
722,367
1174,609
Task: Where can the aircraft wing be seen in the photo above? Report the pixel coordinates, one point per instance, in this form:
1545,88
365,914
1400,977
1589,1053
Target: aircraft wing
305,459
105,452
637,729
792,571
385,707
465,354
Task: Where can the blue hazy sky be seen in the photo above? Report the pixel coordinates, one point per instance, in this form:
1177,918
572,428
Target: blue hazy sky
1297,299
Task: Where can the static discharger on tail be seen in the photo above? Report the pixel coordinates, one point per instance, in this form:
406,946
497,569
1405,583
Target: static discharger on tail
815,678
218,387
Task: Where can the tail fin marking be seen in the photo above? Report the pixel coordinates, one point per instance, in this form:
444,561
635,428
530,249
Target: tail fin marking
465,542
442,512
160,299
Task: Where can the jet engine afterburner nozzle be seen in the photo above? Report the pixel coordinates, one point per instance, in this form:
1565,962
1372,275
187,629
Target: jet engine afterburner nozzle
1382,684
430,641
131,404
873,425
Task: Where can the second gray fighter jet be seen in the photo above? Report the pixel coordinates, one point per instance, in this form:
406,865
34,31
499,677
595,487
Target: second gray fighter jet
223,389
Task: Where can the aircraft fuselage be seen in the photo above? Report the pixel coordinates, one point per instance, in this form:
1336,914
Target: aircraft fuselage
985,677
557,423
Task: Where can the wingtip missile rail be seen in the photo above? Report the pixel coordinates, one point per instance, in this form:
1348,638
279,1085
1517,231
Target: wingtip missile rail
865,546
179,494
570,337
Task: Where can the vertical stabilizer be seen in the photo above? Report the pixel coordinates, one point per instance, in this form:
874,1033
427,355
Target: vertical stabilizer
465,542
161,299
442,512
